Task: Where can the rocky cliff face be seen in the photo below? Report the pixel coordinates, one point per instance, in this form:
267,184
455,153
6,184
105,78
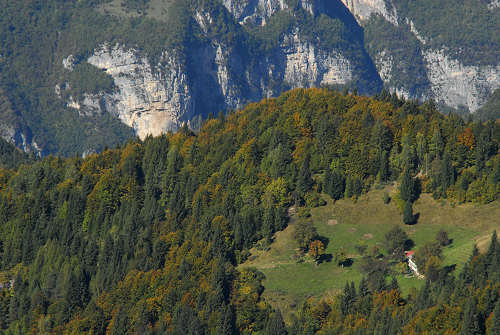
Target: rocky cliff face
213,76
21,138
494,4
363,9
449,81
149,99
156,99
254,11
258,11
459,85
308,66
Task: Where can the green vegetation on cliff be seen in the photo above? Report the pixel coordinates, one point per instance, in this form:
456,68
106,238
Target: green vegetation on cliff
491,109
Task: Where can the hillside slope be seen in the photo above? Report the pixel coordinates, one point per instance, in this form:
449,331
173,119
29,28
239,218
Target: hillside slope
147,237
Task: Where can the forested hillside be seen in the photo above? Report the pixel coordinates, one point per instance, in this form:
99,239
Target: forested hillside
145,239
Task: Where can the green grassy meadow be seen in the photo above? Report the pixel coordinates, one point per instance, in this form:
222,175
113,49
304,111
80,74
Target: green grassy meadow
348,223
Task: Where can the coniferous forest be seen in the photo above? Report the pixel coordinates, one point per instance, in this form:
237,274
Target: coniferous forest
146,238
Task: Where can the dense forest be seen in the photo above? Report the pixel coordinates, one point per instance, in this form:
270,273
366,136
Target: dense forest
145,239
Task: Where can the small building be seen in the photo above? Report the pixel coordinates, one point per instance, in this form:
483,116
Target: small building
411,262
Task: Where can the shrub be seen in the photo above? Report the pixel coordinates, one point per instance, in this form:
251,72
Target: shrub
304,212
386,198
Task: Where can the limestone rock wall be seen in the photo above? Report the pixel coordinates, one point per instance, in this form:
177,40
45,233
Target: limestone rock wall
363,9
149,99
458,85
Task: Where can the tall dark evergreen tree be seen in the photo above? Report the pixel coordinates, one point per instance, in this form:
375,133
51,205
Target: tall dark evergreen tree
334,184
384,172
408,188
471,321
408,217
304,179
494,328
276,325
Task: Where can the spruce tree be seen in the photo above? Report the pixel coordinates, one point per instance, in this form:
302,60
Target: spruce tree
275,325
494,328
408,217
407,188
225,325
120,323
304,180
383,172
335,184
471,323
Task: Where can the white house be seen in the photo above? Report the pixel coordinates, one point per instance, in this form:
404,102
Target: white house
411,263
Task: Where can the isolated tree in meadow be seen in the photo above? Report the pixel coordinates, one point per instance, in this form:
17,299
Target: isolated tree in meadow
340,257
316,250
443,238
395,242
409,187
304,233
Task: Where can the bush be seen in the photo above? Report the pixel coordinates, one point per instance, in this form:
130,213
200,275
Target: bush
313,200
386,198
442,238
304,212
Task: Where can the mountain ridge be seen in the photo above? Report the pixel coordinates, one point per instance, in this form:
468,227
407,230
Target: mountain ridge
138,77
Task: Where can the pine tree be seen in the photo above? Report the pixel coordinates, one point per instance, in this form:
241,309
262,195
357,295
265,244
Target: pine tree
225,325
492,248
424,297
394,284
471,323
408,189
495,177
383,172
120,323
335,184
275,325
348,299
304,180
363,288
436,146
408,217
494,329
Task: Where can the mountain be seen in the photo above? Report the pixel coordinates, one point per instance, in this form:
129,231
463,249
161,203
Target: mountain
447,50
146,238
78,76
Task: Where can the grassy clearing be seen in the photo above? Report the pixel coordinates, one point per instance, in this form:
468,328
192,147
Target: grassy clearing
157,9
348,223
